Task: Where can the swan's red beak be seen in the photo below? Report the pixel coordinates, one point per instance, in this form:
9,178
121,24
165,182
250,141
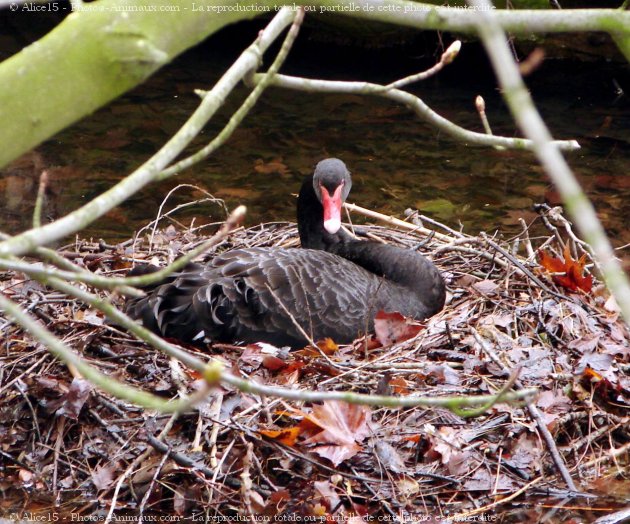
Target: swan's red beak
332,209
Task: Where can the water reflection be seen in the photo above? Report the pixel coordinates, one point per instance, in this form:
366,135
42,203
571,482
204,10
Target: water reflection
397,161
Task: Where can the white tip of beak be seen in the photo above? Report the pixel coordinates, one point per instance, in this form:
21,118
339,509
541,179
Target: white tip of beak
332,225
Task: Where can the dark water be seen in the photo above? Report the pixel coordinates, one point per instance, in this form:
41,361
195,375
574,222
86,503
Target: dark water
397,161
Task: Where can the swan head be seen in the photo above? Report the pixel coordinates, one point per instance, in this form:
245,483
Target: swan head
332,183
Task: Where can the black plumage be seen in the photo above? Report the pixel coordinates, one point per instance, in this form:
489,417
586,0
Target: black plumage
332,287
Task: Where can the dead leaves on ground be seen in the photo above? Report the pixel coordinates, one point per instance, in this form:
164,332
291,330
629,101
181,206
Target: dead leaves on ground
332,459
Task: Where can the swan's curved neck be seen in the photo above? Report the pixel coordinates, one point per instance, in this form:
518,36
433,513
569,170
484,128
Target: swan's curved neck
404,267
412,274
310,219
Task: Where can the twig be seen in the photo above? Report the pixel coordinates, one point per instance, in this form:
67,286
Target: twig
480,105
394,221
467,514
147,494
422,110
135,462
39,200
122,285
447,57
522,268
534,412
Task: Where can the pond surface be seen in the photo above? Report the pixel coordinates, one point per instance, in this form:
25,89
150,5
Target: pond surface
397,161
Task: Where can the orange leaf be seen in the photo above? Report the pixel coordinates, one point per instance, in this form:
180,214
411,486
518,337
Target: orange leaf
399,386
327,346
573,270
286,436
590,375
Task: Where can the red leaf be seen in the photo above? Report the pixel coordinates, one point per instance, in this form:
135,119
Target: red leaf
391,328
571,270
273,363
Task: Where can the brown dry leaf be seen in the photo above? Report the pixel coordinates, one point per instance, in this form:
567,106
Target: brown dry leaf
483,480
339,428
526,454
617,349
273,363
535,362
586,343
180,504
408,487
446,441
326,494
486,287
389,457
75,398
608,393
553,404
254,354
443,374
103,476
119,263
391,328
595,361
499,320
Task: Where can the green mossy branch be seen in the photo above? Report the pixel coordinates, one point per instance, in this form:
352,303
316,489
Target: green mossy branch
91,58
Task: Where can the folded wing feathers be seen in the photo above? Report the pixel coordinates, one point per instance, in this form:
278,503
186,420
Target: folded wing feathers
236,297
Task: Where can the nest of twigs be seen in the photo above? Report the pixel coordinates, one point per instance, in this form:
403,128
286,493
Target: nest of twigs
71,449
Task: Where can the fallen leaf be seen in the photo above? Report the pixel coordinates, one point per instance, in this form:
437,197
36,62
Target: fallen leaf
399,386
338,427
389,457
594,361
585,344
570,271
273,363
391,328
442,374
408,487
287,436
328,346
75,398
483,480
486,287
103,476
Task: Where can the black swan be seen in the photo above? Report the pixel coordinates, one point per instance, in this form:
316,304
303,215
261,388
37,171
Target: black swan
332,287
